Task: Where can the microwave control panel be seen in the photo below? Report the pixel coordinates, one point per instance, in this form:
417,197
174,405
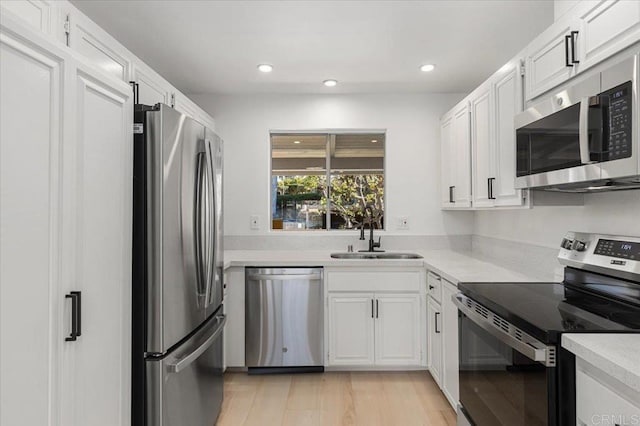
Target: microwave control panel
619,100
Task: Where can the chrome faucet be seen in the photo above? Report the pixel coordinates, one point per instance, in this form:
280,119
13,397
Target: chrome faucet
372,243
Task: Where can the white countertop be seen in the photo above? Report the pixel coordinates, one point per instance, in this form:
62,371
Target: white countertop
452,265
615,354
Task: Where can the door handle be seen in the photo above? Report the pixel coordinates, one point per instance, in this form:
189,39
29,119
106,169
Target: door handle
435,318
567,38
179,365
583,135
377,308
490,189
76,315
372,315
198,221
574,34
451,200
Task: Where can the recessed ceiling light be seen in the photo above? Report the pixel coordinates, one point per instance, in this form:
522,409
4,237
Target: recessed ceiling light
265,68
296,141
330,83
427,68
374,140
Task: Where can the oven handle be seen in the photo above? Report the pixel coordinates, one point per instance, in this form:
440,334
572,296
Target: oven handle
525,344
585,103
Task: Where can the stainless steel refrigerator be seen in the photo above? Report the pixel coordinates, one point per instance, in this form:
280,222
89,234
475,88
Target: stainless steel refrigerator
178,318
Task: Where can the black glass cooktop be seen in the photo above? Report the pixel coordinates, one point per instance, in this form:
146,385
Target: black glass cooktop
545,310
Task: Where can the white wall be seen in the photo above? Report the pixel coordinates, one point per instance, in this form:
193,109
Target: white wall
610,213
412,152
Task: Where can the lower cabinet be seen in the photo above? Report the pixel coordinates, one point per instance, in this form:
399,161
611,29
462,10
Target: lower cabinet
374,329
442,343
434,340
449,343
351,329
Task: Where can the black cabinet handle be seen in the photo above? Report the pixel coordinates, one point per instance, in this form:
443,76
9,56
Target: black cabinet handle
451,200
372,315
435,317
431,287
490,188
567,38
377,311
78,312
75,316
574,34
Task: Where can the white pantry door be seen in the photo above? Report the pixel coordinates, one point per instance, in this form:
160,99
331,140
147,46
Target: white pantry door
31,85
99,369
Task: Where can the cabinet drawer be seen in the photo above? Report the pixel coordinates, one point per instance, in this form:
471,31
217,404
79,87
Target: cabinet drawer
434,286
373,281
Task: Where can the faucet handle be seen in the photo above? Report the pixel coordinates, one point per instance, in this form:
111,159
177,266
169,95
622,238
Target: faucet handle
378,243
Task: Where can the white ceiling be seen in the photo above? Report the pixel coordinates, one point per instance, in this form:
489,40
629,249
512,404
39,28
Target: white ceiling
368,46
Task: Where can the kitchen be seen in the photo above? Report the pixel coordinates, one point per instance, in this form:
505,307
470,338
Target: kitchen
476,177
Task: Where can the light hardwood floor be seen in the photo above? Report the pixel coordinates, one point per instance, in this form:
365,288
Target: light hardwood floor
335,398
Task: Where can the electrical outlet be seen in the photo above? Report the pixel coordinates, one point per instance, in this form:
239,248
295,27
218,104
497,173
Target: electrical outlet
254,222
403,223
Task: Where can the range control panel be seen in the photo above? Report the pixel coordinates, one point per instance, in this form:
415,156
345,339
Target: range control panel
610,254
616,248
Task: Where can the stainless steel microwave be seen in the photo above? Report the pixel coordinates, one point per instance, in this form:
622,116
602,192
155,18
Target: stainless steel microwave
584,138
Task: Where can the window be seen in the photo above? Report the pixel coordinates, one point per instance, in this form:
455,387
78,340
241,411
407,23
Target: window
327,180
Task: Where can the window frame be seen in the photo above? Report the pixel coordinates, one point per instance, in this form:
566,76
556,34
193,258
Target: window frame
328,133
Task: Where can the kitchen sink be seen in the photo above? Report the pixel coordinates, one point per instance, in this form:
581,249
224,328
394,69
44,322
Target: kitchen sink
375,255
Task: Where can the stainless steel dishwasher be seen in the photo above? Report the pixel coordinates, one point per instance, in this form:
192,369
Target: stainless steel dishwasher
284,320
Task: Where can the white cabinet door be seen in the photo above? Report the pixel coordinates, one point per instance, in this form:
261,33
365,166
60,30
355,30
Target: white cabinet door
351,329
99,366
434,340
508,102
548,63
152,88
606,27
447,177
397,336
449,343
96,45
31,300
460,160
483,146
39,14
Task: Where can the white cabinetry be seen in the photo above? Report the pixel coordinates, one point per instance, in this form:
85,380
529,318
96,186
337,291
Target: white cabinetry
493,106
351,329
66,152
375,318
483,146
548,57
605,28
434,340
456,159
449,343
398,340
601,399
152,88
589,33
442,343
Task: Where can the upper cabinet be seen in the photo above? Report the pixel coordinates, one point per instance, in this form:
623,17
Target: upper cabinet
456,153
64,23
591,32
478,136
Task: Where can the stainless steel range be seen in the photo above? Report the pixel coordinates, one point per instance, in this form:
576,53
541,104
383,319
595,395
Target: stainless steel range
513,370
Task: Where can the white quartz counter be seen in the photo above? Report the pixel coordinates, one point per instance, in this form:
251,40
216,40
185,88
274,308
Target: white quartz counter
615,354
451,265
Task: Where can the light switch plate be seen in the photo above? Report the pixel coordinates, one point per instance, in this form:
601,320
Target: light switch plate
254,222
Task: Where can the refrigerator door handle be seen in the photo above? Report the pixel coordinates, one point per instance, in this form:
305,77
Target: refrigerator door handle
182,363
198,220
210,228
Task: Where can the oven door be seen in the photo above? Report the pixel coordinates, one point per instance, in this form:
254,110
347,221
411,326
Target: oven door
501,382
